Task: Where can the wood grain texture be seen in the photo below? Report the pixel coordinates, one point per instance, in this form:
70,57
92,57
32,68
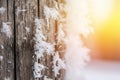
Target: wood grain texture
26,12
51,34
7,43
18,51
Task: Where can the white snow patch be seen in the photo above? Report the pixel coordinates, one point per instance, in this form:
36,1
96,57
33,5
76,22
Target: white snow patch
61,34
41,47
7,78
27,29
25,38
6,29
50,13
38,70
2,47
58,64
2,10
46,78
1,58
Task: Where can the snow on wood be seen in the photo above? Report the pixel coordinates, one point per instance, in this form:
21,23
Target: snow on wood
7,78
2,47
50,13
1,58
41,47
38,70
58,64
61,34
27,29
2,10
6,29
46,78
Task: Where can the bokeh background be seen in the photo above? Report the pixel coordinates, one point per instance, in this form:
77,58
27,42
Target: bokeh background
105,42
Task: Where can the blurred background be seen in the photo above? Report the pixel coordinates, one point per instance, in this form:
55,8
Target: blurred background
105,42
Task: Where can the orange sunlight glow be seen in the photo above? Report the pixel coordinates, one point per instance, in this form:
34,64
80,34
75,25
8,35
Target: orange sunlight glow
104,16
106,22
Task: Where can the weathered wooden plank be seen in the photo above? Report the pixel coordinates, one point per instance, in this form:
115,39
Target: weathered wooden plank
6,40
26,12
51,34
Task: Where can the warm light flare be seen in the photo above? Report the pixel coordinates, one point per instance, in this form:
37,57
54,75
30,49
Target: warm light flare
101,10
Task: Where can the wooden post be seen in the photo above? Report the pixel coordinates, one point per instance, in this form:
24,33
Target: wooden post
26,12
17,47
6,40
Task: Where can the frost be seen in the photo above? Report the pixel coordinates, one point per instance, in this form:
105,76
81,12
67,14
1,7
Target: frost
25,38
2,47
27,29
1,58
20,10
50,13
58,64
6,29
61,34
38,70
46,78
7,78
2,10
41,47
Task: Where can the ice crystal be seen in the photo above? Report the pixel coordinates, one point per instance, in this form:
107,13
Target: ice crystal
2,47
1,58
50,13
7,78
58,64
2,10
46,78
41,47
61,34
6,29
38,70
27,29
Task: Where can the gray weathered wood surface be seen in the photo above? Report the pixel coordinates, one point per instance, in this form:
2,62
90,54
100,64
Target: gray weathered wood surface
18,51
7,43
